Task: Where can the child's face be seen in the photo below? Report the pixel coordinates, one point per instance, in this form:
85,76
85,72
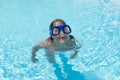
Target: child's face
61,37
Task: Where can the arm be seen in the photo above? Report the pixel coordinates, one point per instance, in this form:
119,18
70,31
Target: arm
76,49
74,54
34,50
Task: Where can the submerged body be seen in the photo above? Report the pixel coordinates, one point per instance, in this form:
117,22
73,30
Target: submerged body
59,40
55,47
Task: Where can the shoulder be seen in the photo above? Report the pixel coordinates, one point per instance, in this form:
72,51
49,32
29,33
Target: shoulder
46,43
50,39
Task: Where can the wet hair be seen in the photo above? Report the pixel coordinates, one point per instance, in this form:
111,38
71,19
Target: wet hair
56,20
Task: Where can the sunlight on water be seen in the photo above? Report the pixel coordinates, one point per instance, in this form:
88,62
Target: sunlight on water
94,23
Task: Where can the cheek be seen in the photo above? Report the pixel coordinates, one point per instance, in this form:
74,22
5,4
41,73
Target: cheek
56,37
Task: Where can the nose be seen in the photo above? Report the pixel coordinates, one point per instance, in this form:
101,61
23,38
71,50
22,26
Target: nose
61,33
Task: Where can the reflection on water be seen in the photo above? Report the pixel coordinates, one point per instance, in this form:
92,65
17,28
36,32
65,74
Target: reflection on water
69,73
24,23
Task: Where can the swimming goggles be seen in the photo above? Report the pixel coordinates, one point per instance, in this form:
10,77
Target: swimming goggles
55,30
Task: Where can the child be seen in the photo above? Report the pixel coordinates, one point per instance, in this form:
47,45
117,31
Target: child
59,40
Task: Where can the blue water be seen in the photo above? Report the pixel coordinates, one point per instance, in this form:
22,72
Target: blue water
94,23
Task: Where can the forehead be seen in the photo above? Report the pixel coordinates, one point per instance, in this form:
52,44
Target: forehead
57,23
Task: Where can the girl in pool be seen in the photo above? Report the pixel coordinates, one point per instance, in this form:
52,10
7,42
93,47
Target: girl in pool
59,40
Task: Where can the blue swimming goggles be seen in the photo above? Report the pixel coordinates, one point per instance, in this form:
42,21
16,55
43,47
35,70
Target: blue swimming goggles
55,30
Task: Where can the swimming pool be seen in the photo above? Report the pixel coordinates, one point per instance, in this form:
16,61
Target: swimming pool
95,23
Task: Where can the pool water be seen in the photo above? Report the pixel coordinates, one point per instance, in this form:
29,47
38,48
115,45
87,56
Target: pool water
94,23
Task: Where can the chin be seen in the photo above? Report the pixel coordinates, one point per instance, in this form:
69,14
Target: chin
61,41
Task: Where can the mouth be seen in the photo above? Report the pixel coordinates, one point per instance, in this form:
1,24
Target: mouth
62,38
